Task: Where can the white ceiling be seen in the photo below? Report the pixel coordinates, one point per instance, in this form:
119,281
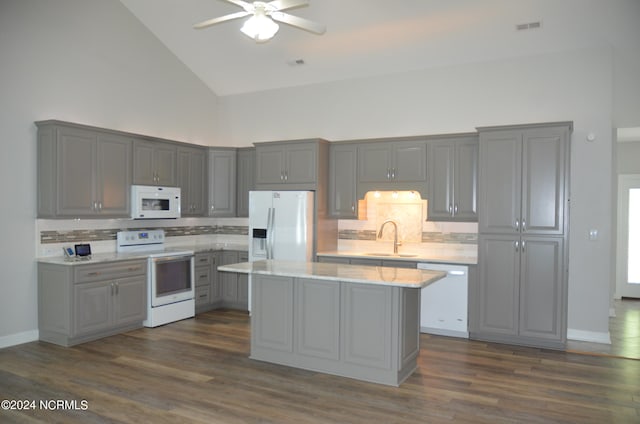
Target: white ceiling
374,37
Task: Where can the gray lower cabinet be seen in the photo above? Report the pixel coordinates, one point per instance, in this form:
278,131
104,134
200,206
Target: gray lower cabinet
192,180
520,294
234,287
368,332
369,262
343,200
78,303
453,178
245,180
154,163
222,182
82,172
207,286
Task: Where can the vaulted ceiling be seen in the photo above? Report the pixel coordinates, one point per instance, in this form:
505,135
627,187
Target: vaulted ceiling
373,37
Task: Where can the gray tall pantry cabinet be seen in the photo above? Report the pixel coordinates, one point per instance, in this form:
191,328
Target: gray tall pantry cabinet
521,296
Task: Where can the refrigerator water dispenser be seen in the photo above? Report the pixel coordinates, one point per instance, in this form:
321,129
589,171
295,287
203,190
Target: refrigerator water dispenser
260,242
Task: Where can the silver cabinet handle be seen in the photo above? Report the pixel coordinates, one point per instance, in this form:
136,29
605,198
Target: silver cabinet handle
388,174
353,207
393,173
523,245
450,209
517,245
517,225
117,288
455,209
286,176
100,206
524,228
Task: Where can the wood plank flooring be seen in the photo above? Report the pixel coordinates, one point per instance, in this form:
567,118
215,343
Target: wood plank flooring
198,371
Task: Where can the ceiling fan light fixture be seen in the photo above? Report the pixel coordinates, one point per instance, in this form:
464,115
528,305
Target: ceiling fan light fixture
260,27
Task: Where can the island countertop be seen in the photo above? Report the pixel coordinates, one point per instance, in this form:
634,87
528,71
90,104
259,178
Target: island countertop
387,276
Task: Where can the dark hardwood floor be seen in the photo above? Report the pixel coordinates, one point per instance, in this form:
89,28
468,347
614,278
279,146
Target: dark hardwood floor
198,371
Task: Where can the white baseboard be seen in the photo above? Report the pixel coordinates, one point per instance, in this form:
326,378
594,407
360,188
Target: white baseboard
443,332
19,338
588,336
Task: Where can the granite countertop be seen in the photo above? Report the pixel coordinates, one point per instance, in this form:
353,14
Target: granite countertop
95,258
436,257
387,276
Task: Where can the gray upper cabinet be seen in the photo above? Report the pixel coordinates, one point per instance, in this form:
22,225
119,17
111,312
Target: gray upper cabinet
453,178
392,161
398,164
284,164
222,182
343,161
192,179
246,179
523,180
154,163
82,172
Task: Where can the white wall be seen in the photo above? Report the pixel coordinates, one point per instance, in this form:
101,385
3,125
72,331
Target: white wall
574,86
87,61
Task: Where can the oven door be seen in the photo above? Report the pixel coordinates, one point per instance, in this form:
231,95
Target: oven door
171,279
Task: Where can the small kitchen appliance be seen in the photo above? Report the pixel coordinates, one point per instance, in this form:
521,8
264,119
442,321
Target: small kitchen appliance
152,202
170,276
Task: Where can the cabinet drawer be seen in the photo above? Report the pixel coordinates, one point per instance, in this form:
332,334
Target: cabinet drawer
202,295
109,271
203,276
202,259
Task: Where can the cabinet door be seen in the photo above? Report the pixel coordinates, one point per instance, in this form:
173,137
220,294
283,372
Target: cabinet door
130,300
113,167
441,165
343,202
76,172
409,161
500,182
269,165
498,291
165,164
92,307
272,326
222,183
300,163
144,172
216,290
229,280
317,318
543,180
541,288
192,175
245,180
243,283
374,162
465,181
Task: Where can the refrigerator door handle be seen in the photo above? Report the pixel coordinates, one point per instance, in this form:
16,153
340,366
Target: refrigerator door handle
268,240
272,232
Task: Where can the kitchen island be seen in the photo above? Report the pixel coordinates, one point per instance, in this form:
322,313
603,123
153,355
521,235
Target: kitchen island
355,321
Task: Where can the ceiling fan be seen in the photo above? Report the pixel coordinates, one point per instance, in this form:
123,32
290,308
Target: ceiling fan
261,26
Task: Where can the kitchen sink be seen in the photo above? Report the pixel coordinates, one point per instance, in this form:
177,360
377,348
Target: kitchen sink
395,255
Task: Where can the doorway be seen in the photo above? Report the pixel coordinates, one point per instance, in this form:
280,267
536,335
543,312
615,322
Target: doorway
628,248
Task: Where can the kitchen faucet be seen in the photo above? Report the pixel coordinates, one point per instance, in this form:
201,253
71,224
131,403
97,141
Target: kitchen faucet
395,234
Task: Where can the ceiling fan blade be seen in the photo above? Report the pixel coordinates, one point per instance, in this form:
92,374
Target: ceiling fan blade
298,22
287,4
240,3
224,18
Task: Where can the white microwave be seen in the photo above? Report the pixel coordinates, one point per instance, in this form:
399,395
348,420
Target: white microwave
152,202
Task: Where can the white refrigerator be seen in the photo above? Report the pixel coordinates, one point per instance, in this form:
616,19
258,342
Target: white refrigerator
281,225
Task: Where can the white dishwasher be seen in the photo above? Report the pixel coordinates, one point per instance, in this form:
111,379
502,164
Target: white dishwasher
443,308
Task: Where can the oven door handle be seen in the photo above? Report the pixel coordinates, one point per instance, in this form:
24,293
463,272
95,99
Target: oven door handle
172,258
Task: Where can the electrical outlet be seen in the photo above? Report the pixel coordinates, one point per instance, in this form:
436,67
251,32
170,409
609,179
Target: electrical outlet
593,234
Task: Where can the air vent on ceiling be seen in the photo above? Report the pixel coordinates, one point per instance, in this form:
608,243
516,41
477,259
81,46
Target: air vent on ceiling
529,25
